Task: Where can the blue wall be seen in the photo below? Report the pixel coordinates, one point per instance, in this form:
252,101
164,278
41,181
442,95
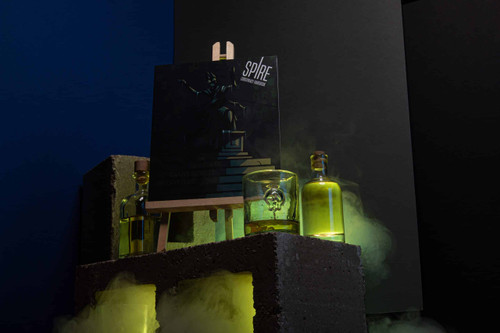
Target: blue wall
76,85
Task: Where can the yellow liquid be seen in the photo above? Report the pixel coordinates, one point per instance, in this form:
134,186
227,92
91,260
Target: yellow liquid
257,227
322,210
136,235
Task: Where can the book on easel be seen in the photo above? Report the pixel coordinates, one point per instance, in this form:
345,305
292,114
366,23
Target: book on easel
213,122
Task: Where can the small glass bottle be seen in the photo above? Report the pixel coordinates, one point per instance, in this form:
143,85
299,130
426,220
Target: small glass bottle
322,203
137,227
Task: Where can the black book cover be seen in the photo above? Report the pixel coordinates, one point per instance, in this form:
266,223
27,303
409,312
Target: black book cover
213,122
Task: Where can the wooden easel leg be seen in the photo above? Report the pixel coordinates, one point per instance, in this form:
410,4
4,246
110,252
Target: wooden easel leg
228,220
163,235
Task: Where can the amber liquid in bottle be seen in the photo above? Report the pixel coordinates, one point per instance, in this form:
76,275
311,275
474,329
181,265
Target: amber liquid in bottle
257,227
322,203
137,227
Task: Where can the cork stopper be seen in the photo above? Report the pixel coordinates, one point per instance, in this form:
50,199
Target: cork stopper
141,165
319,159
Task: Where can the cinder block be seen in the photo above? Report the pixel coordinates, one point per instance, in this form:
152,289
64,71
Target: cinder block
103,189
300,284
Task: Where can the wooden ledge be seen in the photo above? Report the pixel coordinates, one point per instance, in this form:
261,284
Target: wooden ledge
187,205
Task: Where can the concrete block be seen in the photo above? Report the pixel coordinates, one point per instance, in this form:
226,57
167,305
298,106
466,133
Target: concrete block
103,189
299,284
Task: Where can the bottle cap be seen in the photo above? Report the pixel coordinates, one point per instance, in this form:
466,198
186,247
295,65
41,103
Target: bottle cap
319,159
141,165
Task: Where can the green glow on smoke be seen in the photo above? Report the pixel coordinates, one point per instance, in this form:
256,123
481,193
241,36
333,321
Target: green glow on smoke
409,322
128,309
220,303
124,307
371,235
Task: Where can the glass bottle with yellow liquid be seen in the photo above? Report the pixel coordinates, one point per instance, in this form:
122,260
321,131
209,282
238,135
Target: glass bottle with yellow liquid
137,227
322,203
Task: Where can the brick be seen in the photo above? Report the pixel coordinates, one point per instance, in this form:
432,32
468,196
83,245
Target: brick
300,284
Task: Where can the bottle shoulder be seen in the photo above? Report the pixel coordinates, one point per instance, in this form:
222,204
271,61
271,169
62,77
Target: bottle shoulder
322,180
132,198
134,204
321,183
138,195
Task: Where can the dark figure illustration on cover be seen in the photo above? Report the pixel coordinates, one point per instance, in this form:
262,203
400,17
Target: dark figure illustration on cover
221,111
213,122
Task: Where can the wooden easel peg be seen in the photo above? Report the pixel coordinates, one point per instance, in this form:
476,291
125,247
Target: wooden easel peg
216,55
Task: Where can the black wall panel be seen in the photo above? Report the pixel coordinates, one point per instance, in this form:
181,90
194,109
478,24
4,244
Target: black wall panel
343,90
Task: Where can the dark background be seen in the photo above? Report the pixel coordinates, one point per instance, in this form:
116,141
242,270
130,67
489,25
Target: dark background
453,68
76,85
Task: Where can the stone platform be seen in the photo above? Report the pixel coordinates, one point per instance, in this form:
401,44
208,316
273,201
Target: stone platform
300,284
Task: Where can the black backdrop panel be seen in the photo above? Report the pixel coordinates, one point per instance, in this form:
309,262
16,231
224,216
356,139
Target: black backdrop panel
343,90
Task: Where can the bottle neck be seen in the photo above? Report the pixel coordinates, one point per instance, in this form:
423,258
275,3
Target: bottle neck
143,188
319,173
141,181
